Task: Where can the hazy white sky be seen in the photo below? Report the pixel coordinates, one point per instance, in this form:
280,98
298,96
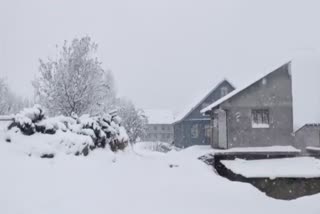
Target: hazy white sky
164,53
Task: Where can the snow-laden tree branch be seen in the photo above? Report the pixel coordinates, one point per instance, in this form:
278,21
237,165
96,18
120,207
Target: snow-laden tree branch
75,81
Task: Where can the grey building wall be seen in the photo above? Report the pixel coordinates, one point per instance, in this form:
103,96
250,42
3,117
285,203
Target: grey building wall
308,135
274,92
159,133
183,129
185,137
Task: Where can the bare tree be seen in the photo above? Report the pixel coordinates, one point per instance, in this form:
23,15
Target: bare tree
75,81
133,119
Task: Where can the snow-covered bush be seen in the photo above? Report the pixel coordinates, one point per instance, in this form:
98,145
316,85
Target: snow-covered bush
73,135
48,145
27,119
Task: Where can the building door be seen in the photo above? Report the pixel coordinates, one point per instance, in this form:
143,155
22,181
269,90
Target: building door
222,121
219,130
215,131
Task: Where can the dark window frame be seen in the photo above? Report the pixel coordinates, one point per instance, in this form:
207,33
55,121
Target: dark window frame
260,118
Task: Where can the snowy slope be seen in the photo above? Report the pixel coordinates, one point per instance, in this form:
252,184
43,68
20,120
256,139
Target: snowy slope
132,182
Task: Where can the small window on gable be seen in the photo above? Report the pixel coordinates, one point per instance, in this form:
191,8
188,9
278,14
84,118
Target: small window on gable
264,81
224,91
260,118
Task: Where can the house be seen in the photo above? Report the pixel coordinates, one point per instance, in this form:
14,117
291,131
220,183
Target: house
159,127
192,127
307,138
259,114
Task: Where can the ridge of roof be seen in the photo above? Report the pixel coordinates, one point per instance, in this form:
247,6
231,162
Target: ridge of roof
237,91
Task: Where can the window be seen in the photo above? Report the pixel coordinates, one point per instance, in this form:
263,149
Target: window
260,118
195,131
163,127
224,91
208,131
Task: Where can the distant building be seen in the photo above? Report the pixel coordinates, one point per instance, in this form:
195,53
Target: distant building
194,128
257,115
308,136
160,128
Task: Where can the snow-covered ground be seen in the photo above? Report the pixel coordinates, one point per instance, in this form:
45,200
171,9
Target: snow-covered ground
3,125
135,181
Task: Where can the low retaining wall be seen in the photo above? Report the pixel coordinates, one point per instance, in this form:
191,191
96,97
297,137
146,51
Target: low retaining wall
279,188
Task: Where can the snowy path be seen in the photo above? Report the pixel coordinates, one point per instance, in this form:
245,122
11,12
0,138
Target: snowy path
129,183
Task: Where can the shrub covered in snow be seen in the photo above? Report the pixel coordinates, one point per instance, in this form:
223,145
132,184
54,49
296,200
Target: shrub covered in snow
72,135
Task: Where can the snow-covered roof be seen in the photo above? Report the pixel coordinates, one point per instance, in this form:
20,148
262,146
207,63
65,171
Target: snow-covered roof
159,116
198,100
313,125
309,125
299,167
237,91
313,148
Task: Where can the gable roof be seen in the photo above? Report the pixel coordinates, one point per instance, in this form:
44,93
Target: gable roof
189,110
237,91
